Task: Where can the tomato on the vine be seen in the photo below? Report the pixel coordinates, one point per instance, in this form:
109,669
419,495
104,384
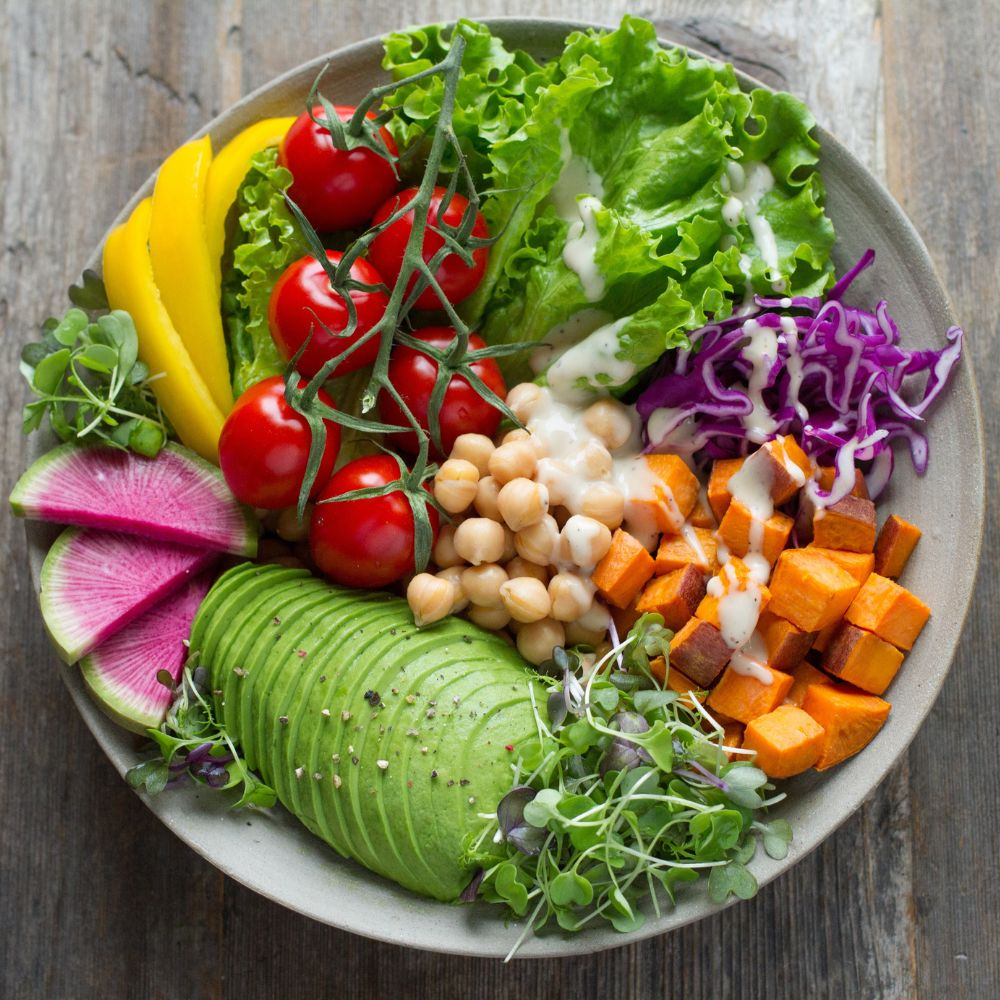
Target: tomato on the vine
264,447
369,542
303,303
463,411
457,279
335,188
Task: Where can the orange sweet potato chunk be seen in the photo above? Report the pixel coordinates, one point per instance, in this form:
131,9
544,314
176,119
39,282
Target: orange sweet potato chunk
895,545
734,532
858,564
702,516
623,572
675,552
787,741
848,524
786,644
676,491
850,719
674,680
782,470
810,590
862,659
744,698
625,618
674,596
827,473
719,497
888,610
699,651
824,635
732,736
802,676
708,610
795,454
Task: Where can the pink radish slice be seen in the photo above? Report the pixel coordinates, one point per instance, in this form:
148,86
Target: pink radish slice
121,673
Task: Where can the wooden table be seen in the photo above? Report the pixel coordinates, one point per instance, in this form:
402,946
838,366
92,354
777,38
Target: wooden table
98,900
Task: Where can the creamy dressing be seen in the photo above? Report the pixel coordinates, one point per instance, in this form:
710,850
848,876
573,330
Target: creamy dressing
564,335
746,187
761,352
793,364
583,362
673,430
751,659
739,606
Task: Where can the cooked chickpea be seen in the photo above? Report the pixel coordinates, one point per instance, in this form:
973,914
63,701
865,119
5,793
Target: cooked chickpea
486,498
577,635
603,502
479,540
482,584
538,543
556,477
524,400
455,484
609,420
518,434
596,461
491,618
290,528
522,502
513,460
431,598
454,575
536,641
474,448
509,548
521,567
443,553
526,599
571,596
596,618
584,541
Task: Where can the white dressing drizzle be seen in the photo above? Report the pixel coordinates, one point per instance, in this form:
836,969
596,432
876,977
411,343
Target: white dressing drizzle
563,336
746,187
671,430
751,660
583,362
793,364
761,352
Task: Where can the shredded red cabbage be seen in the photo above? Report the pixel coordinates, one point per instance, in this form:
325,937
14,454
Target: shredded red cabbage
830,374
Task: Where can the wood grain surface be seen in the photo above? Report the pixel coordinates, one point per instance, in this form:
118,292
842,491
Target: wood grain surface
98,900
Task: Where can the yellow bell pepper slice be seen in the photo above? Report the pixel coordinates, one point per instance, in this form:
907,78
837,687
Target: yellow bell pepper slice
182,269
225,176
183,394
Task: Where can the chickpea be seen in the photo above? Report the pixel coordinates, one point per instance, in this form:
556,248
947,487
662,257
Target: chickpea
486,498
290,528
596,618
536,641
577,635
556,477
431,598
455,484
526,599
482,584
539,542
609,420
479,540
584,541
521,567
509,548
518,434
571,596
603,502
596,461
474,448
522,502
491,618
443,553
454,575
510,461
524,400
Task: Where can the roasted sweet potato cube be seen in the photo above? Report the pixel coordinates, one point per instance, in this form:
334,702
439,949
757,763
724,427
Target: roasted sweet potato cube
674,596
744,697
824,635
625,618
719,497
787,741
826,474
850,719
673,680
888,610
734,577
676,551
861,658
623,572
702,516
699,651
795,454
675,492
858,564
896,542
786,644
773,465
802,676
736,527
848,524
809,590
732,736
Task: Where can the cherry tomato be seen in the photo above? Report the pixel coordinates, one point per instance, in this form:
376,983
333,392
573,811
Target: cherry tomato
264,447
365,543
463,410
335,188
302,295
457,280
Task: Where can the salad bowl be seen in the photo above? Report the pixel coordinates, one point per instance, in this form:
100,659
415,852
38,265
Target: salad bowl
277,857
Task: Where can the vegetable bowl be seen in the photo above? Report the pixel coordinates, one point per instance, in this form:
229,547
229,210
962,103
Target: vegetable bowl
276,856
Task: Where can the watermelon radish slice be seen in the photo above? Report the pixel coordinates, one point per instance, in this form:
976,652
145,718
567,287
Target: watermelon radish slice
121,673
95,582
175,497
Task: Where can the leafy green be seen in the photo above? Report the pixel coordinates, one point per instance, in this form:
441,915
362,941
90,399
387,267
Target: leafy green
270,240
89,380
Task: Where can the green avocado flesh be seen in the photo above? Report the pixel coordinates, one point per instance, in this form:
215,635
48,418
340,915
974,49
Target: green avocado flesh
319,683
